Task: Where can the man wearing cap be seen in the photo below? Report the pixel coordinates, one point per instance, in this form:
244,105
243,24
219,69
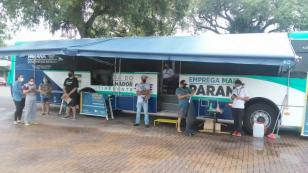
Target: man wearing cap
143,90
183,94
239,97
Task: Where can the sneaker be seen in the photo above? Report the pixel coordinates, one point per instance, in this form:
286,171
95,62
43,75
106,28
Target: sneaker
35,123
238,134
147,126
234,133
188,134
19,121
66,116
27,124
136,124
15,122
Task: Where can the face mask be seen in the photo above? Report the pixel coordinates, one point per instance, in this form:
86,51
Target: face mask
238,87
70,75
21,79
185,85
31,83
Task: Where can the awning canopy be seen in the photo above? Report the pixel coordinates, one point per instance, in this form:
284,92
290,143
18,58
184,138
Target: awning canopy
47,47
266,49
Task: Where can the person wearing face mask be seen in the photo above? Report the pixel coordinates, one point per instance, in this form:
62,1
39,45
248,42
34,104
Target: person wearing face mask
30,90
168,76
143,91
45,89
183,94
239,97
18,98
70,91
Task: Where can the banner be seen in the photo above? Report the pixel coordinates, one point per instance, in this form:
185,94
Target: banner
93,104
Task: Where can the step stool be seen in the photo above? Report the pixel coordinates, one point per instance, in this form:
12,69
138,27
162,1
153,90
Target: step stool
170,121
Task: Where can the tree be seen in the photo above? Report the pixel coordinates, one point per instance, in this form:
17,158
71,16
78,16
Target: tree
93,18
2,27
250,16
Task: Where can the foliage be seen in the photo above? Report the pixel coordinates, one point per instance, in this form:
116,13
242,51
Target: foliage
94,18
250,16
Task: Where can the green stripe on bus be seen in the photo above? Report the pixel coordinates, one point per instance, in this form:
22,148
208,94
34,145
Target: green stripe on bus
122,93
211,98
296,83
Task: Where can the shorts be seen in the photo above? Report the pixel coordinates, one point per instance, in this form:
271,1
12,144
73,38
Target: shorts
73,102
182,113
45,99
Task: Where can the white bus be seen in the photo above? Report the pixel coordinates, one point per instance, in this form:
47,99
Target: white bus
264,62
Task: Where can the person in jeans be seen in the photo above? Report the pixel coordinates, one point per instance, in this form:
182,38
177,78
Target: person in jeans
183,94
143,90
18,98
239,97
30,90
45,89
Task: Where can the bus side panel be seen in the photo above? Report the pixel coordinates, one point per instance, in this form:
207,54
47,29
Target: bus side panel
26,68
130,103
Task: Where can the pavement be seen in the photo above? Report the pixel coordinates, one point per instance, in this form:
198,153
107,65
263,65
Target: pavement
91,144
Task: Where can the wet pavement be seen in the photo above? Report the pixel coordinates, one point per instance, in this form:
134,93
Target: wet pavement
91,144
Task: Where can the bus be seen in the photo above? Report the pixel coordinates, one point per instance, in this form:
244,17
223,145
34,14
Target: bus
299,41
273,88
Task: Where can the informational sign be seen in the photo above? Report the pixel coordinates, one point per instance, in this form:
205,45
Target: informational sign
210,86
125,83
93,104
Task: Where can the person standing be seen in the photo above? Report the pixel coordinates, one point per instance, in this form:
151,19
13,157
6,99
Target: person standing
45,89
70,94
143,90
18,98
239,97
183,94
168,78
30,90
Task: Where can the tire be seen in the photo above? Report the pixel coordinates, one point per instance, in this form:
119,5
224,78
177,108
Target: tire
260,112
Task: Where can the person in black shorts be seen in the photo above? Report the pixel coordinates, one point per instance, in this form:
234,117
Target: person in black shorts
70,93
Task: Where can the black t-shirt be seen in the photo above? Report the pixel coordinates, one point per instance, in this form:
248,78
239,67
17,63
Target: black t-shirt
70,84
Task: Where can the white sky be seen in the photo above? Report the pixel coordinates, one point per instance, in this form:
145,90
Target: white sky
40,33
43,33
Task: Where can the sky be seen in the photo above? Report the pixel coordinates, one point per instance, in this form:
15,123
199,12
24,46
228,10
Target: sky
40,33
43,33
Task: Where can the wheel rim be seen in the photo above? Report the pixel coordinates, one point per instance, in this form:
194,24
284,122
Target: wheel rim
260,116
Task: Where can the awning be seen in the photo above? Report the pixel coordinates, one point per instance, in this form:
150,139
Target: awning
47,47
266,49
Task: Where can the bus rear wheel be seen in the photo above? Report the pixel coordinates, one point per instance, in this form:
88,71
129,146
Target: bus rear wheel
260,112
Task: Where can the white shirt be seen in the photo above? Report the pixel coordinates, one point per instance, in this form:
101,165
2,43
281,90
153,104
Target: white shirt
239,103
168,73
142,87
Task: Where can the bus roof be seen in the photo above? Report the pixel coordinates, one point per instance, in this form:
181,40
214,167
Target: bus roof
267,49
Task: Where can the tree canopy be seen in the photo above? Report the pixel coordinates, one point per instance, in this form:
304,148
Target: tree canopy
94,18
250,16
104,18
3,27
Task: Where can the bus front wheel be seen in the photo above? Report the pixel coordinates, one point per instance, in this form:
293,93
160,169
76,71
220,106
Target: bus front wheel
260,112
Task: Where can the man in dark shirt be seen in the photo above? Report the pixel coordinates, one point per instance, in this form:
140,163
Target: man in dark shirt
70,93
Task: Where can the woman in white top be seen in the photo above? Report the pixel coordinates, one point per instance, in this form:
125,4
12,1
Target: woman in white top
239,97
